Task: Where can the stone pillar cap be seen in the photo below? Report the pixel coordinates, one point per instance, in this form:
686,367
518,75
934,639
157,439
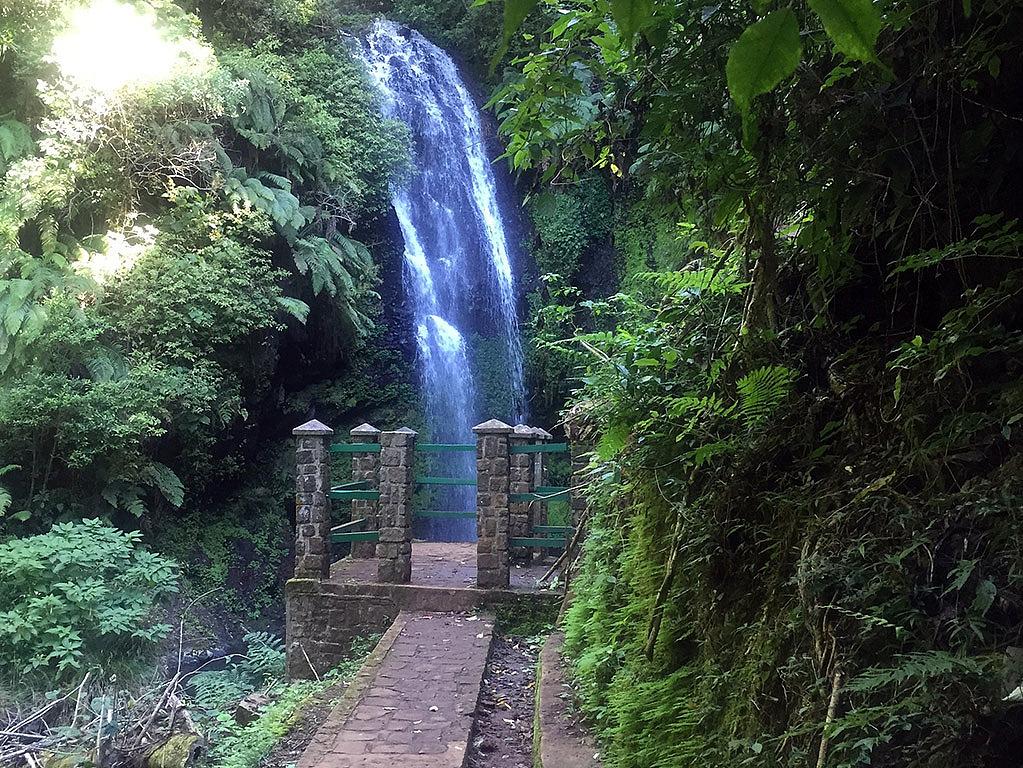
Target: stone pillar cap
522,430
365,429
542,433
493,427
406,431
312,427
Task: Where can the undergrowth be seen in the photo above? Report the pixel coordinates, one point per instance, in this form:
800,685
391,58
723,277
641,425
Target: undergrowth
526,619
214,695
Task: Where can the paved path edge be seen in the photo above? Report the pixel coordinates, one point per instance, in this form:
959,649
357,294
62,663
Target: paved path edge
554,744
317,749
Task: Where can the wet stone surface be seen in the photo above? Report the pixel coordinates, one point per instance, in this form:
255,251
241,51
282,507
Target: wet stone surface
440,564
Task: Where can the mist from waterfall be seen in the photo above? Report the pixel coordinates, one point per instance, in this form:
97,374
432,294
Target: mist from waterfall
458,270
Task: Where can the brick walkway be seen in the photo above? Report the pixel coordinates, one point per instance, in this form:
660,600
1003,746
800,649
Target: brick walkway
416,709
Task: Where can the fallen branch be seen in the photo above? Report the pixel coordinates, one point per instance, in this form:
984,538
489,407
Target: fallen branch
307,661
168,689
572,544
186,716
836,690
78,699
657,614
39,713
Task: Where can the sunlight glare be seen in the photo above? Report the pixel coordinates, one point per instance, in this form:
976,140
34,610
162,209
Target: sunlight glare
120,251
110,45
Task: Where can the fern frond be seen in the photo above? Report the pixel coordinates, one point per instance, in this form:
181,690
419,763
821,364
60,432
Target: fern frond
761,391
692,406
918,668
15,141
694,282
276,200
297,308
342,268
106,364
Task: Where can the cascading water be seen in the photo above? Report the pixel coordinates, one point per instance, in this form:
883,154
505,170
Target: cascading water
458,270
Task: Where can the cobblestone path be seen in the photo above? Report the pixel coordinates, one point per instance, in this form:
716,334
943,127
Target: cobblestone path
417,709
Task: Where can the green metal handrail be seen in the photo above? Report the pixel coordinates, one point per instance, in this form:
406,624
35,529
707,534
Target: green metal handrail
353,536
446,447
538,543
355,448
540,448
354,495
347,533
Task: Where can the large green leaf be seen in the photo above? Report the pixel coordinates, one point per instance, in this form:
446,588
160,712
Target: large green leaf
765,54
853,26
630,16
15,141
166,481
515,12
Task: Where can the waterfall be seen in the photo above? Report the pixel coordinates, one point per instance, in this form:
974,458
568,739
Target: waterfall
458,271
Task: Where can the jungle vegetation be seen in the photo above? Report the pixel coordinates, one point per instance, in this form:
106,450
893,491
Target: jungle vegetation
803,389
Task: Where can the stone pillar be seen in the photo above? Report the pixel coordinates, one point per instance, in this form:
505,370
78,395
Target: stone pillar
312,500
578,453
492,488
365,467
394,549
520,481
538,509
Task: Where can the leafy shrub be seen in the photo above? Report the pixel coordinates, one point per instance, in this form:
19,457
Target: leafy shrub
81,594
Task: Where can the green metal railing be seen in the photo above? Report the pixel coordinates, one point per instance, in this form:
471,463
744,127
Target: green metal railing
355,448
551,536
445,481
556,538
540,448
354,495
349,533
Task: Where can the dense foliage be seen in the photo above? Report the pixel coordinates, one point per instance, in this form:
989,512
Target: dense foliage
159,233
808,382
261,670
